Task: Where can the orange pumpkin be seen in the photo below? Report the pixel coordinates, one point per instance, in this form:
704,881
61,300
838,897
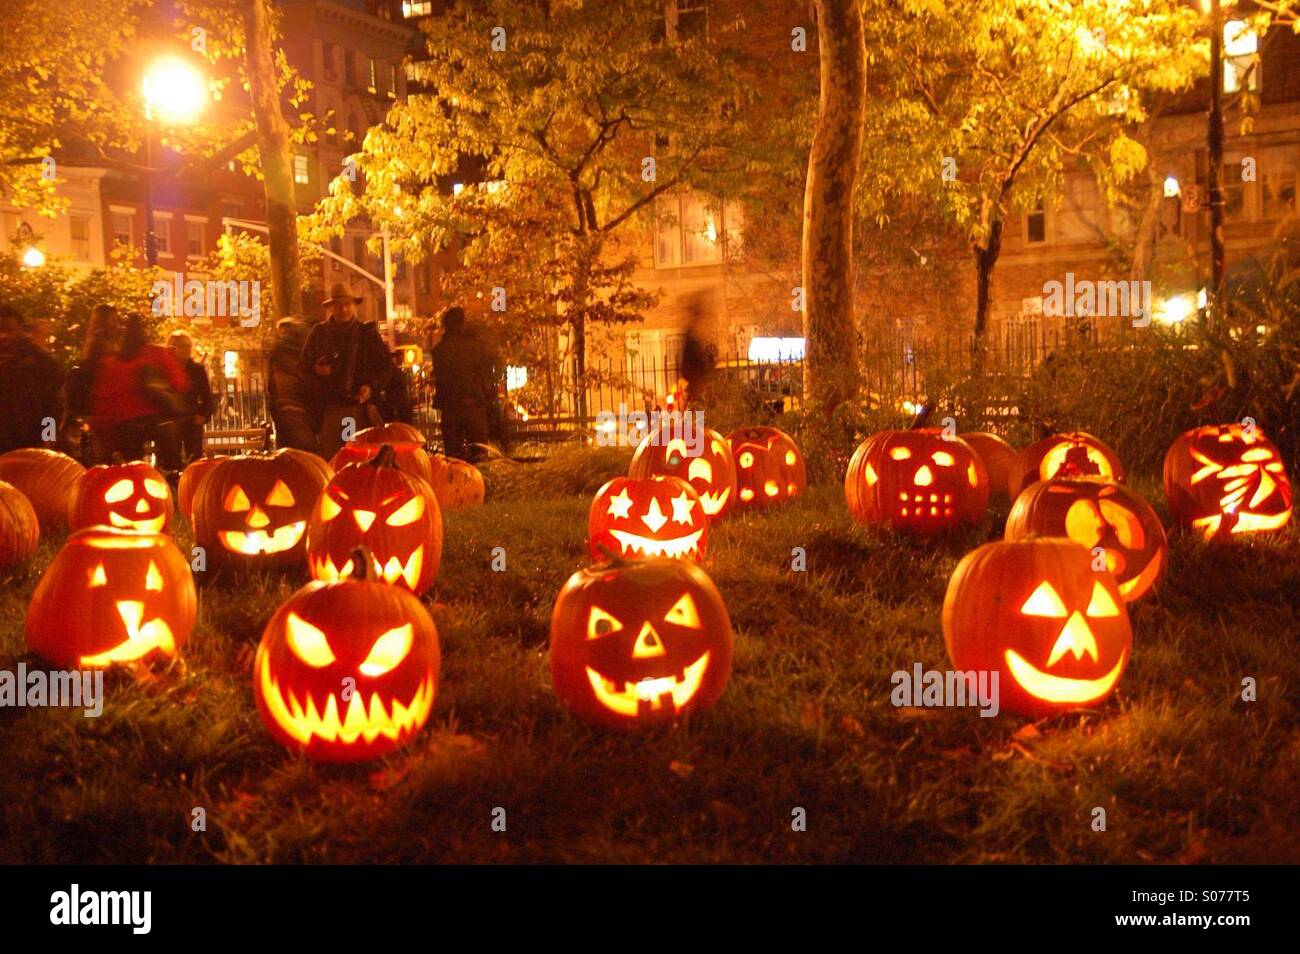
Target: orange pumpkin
1035,612
647,517
711,472
1225,480
405,440
191,477
1001,460
457,483
20,530
918,480
1076,454
47,478
769,466
129,496
111,597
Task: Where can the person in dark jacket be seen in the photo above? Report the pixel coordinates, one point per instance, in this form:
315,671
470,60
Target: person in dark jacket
463,387
395,396
346,362
191,425
30,381
290,397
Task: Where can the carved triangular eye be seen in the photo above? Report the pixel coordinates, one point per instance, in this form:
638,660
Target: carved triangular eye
600,623
329,507
389,650
153,580
1102,603
280,496
307,642
97,576
236,500
407,513
684,613
1044,601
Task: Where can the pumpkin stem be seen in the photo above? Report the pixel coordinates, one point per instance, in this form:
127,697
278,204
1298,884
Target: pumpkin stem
363,565
386,457
923,415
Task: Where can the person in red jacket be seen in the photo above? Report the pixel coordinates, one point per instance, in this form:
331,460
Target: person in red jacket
138,394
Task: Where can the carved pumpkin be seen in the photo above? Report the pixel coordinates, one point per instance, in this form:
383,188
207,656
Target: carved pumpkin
253,509
112,597
406,441
1001,460
1076,454
1034,611
20,530
1224,480
647,517
711,473
348,670
189,482
457,483
637,644
129,496
1096,513
769,466
916,480
391,513
47,478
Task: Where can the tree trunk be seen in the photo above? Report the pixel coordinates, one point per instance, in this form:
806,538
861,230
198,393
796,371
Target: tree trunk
1214,146
829,326
276,161
986,257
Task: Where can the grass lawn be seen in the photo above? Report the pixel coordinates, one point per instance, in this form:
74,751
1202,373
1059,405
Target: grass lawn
1185,770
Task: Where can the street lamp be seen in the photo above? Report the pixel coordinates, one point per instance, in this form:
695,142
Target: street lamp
174,91
32,256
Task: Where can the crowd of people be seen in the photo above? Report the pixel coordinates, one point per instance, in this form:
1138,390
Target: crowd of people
125,393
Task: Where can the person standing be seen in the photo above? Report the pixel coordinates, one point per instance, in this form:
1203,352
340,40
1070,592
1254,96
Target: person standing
346,362
463,385
86,434
289,396
191,425
395,396
29,394
137,395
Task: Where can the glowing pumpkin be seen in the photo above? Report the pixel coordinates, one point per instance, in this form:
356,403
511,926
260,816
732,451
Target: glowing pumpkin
457,483
1225,480
769,467
647,517
639,644
189,482
1076,454
253,509
711,472
20,530
916,480
1096,513
129,496
406,441
348,670
112,597
1001,460
393,514
47,478
1035,612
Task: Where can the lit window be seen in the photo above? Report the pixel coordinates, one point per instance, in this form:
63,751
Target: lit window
79,233
1079,217
691,228
1240,57
1278,181
392,80
417,8
162,233
300,175
373,85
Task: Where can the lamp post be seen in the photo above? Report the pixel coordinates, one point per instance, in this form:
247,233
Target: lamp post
175,92
32,256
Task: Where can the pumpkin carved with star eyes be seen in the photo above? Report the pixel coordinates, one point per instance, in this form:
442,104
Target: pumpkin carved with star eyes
647,517
1097,513
769,466
1075,454
347,671
636,644
395,515
47,478
705,462
252,510
1225,480
406,441
1036,612
129,496
112,597
918,480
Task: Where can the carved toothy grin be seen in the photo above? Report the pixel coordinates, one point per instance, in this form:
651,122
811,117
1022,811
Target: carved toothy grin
628,698
634,545
150,525
392,571
1051,688
714,502
141,640
253,542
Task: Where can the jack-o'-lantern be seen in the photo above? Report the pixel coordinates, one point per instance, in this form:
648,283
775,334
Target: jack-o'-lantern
191,477
1096,513
711,472
769,467
129,496
253,509
1224,480
348,670
647,517
640,643
457,483
1035,611
20,530
112,597
1001,460
918,480
393,514
406,441
1076,454
47,478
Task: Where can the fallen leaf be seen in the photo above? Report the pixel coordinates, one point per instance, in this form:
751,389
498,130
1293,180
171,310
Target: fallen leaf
681,769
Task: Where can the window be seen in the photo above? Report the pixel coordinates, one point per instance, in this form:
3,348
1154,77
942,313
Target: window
79,233
1036,225
1240,57
392,81
1234,193
373,84
327,60
349,68
194,243
417,8
1278,182
122,231
1080,215
691,228
231,210
300,170
162,232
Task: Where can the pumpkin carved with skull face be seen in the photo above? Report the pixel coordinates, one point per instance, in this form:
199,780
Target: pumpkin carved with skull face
1096,513
130,496
711,473
1225,480
253,509
393,514
769,467
112,597
347,671
1076,454
1035,612
647,517
638,644
916,480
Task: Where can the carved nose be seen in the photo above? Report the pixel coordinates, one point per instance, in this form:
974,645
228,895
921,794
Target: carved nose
364,519
648,645
924,476
258,518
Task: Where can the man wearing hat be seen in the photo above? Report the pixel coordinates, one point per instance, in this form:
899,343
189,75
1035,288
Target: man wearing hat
344,361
